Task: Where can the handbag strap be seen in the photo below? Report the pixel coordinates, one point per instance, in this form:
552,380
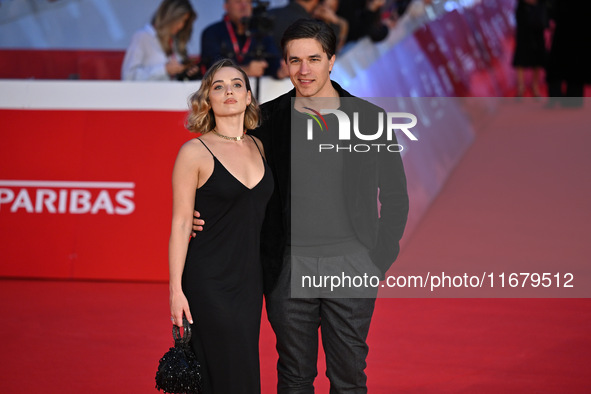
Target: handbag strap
176,332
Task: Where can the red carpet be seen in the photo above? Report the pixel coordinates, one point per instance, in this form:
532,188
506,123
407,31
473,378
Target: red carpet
73,337
521,194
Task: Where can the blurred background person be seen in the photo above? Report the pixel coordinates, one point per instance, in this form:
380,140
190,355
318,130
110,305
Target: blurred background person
569,63
400,6
233,38
159,50
364,18
531,19
285,16
326,11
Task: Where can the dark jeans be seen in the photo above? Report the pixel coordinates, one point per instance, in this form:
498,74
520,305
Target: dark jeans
344,324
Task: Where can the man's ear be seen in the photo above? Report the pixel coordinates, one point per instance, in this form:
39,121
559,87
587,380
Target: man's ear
331,62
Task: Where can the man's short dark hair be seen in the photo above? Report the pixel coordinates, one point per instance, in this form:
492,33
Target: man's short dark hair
310,28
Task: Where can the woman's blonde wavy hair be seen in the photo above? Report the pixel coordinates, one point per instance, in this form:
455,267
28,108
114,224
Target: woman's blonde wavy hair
166,15
201,118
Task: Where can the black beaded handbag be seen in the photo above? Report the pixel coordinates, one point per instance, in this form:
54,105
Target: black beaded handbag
179,372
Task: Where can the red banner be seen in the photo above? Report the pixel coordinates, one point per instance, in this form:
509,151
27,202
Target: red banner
87,194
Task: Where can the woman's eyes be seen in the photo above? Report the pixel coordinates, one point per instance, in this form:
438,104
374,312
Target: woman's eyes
218,87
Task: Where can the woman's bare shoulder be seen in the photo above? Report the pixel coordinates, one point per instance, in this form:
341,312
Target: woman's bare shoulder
259,144
193,150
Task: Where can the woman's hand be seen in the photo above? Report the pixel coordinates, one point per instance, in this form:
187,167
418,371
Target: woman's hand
179,306
325,14
375,5
173,67
192,70
255,68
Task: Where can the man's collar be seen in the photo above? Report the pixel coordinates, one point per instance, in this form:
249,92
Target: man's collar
342,92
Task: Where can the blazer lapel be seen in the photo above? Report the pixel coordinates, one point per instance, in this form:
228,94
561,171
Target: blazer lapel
281,143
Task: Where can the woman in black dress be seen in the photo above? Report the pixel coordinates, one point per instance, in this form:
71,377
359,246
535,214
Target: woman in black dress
530,47
216,277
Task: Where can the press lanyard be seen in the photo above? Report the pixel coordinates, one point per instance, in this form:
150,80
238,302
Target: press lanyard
239,53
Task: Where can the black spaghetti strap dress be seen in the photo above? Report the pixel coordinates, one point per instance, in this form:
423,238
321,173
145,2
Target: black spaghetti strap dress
222,280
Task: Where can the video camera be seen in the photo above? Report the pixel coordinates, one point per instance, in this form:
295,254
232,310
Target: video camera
261,23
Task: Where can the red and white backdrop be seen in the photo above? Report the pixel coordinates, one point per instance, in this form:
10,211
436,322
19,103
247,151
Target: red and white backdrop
85,169
85,165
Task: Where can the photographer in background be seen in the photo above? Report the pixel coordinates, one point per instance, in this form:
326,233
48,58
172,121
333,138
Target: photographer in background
244,37
158,51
